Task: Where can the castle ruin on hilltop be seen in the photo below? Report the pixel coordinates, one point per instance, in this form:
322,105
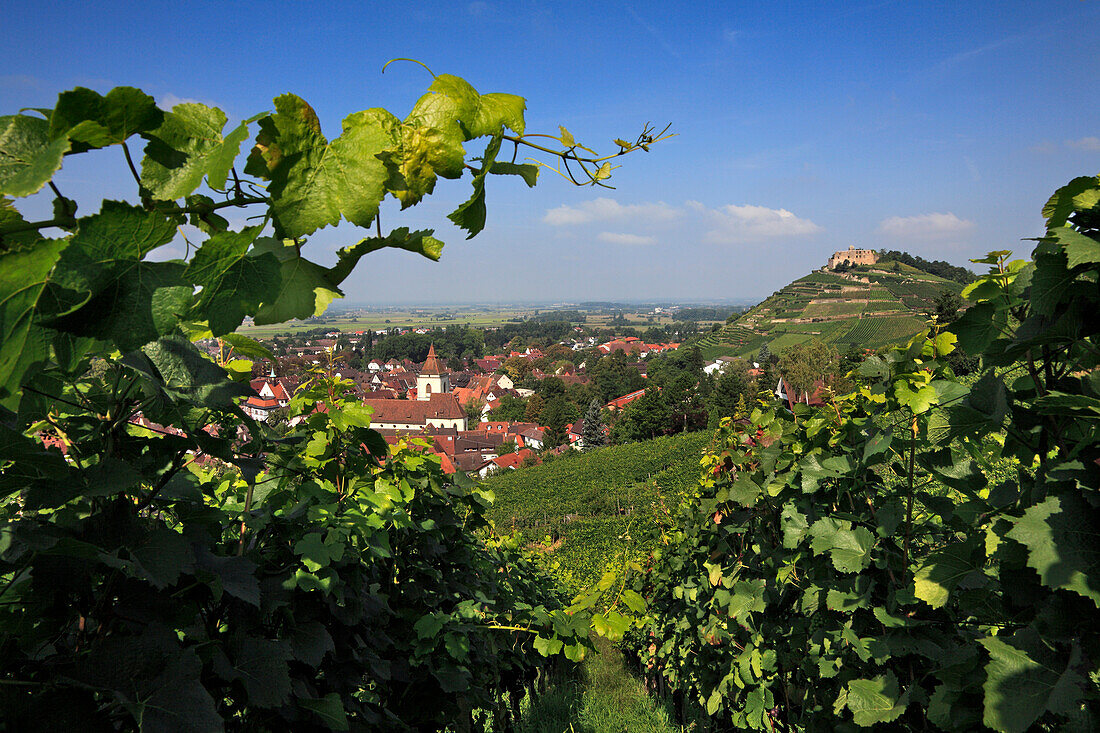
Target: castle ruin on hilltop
853,256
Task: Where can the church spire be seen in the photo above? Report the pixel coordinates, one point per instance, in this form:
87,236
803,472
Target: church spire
431,364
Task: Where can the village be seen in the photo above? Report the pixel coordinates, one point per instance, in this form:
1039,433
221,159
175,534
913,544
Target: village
451,410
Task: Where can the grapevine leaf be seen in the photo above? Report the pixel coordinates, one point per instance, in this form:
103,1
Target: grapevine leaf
942,571
1061,204
261,666
244,346
919,400
329,709
310,643
91,121
23,275
470,215
1080,249
422,242
452,678
747,597
164,555
187,146
547,647
876,700
529,172
429,626
1025,678
28,156
633,601
315,554
495,110
566,137
977,327
185,372
850,549
794,526
1062,535
1051,282
313,182
305,289
232,282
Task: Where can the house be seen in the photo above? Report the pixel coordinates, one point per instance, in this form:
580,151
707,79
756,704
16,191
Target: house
620,402
270,394
508,462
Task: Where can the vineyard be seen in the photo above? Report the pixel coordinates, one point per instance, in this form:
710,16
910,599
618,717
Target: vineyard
795,313
601,505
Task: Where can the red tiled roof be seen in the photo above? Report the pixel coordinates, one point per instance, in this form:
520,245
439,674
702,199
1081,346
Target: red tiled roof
416,412
621,402
431,364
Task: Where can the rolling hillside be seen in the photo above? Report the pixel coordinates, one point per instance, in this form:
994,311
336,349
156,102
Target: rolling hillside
870,307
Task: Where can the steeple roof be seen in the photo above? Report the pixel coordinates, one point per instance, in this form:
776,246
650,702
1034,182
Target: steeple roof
431,364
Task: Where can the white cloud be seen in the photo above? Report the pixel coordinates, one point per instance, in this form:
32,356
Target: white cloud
624,238
1088,144
924,226
605,209
168,101
734,224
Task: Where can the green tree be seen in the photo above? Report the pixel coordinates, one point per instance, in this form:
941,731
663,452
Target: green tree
730,388
594,433
535,404
555,415
804,364
510,409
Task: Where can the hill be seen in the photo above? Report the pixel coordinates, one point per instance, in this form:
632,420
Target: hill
868,306
598,505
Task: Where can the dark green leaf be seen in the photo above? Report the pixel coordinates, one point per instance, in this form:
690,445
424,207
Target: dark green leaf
23,275
470,215
1025,678
261,666
93,121
876,700
233,283
1062,535
330,709
188,146
942,571
305,289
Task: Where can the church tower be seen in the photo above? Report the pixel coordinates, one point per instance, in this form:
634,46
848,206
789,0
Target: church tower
433,378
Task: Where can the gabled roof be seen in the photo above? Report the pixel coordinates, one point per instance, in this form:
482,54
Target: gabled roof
415,412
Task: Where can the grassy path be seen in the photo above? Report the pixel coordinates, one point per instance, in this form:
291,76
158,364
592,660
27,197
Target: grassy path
606,698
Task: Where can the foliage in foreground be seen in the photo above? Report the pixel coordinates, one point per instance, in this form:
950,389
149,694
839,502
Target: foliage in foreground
805,591
168,564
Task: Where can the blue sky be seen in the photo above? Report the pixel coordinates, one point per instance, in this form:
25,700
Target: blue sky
939,128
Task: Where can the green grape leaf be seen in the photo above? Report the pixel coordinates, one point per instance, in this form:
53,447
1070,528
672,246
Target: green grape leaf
261,666
942,571
1080,249
28,156
452,678
23,276
1051,283
314,552
188,146
1062,536
529,172
182,371
330,709
429,625
233,283
978,326
470,215
850,549
422,242
919,400
314,182
310,643
547,647
1061,204
164,555
422,154
244,346
566,137
305,288
90,120
1026,677
496,110
876,700
747,597
794,526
